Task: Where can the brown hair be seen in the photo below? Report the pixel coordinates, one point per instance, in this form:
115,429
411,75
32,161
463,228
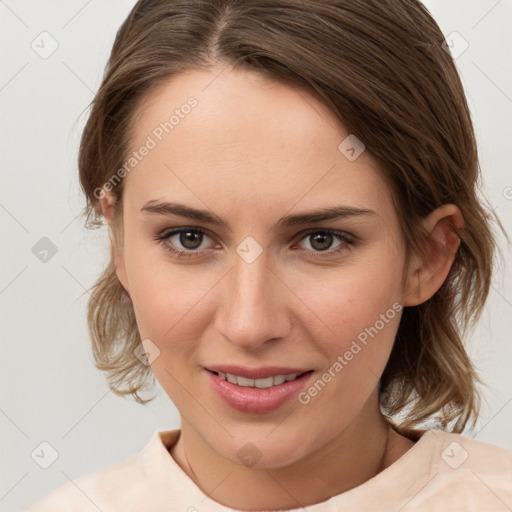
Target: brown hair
380,66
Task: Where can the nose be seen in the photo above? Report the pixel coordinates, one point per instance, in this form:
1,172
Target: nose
254,304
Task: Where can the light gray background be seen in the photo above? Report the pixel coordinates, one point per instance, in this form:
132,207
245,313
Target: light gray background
50,389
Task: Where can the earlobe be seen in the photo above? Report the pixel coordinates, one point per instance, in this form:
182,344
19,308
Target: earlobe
428,271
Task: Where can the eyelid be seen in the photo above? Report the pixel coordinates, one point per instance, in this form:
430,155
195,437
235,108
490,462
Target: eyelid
340,235
168,233
299,236
340,232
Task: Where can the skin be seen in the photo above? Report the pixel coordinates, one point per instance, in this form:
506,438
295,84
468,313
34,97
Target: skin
252,151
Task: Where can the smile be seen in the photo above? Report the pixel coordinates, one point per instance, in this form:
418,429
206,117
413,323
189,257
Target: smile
257,390
268,382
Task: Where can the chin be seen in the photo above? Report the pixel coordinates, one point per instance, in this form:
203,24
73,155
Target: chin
263,452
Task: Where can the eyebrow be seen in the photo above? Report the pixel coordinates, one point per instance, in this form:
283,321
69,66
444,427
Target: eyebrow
331,213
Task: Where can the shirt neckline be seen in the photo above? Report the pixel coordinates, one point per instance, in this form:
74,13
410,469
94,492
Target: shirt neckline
160,465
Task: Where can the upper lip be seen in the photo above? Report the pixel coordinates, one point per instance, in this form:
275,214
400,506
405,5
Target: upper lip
261,372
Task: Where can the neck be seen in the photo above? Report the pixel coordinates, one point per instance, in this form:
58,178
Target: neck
363,449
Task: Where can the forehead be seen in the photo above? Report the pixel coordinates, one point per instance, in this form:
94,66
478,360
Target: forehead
234,135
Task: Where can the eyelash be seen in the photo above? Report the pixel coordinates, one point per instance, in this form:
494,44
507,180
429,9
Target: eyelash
348,241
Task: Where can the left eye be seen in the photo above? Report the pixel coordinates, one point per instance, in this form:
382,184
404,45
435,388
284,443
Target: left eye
322,240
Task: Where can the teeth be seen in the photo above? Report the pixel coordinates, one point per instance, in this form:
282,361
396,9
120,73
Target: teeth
279,379
257,383
242,381
263,383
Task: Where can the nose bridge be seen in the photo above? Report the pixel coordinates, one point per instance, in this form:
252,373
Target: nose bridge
251,303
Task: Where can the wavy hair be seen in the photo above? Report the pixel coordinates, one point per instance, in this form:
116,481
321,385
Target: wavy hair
381,68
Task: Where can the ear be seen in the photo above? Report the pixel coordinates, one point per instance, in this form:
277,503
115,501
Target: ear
107,202
428,271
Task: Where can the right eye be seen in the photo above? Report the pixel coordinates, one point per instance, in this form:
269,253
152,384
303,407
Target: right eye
189,238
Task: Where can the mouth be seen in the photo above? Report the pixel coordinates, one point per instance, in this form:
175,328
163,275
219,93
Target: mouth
257,390
262,383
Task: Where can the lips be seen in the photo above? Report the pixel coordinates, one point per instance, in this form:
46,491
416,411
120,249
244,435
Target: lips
256,390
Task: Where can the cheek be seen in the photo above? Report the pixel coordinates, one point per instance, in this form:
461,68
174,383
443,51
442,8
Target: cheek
347,301
160,293
169,300
362,314
164,304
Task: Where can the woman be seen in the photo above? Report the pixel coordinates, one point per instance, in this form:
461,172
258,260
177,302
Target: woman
297,248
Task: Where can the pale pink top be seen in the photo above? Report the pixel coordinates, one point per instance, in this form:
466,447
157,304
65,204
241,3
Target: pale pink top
441,472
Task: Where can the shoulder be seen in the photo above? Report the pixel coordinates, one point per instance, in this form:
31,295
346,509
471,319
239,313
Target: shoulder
466,472
462,451
89,492
111,488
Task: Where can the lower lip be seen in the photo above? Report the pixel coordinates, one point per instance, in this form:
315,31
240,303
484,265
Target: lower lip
256,400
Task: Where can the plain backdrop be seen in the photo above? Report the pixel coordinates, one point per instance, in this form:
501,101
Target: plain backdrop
51,392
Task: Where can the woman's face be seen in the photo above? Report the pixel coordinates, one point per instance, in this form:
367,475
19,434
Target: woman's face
261,291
